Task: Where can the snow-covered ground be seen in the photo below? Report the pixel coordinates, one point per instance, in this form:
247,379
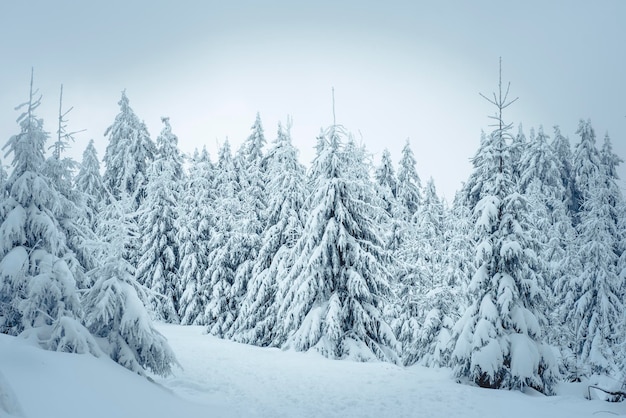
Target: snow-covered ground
225,379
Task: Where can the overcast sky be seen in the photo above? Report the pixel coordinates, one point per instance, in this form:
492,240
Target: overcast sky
400,70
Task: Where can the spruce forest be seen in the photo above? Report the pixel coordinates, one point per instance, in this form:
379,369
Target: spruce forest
518,282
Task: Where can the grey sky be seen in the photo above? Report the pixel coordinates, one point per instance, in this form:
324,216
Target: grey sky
400,69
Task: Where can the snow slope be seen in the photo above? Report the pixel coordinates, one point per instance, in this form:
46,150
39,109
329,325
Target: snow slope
225,379
50,384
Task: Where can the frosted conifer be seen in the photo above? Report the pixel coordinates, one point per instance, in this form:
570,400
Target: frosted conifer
409,193
332,297
196,224
89,182
128,154
37,286
115,313
257,317
498,342
158,264
225,249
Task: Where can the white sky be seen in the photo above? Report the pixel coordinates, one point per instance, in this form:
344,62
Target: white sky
400,70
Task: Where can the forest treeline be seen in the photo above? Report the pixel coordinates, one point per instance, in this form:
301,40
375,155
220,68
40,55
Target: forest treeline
519,281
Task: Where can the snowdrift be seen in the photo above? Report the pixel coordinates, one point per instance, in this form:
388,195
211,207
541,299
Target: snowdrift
220,378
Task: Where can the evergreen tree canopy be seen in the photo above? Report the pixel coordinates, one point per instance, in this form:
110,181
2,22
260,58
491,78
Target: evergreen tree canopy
332,298
37,287
196,224
256,321
408,191
498,342
158,264
128,155
89,181
115,312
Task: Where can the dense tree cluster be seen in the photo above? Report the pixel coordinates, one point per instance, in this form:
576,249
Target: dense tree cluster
519,282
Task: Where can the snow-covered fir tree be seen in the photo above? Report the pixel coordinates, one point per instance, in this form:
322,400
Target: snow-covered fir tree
472,190
115,313
37,287
516,150
59,169
598,309
385,175
386,190
252,148
544,188
89,182
286,192
428,313
610,162
459,254
197,220
563,153
225,249
158,263
401,228
499,342
429,242
409,188
128,155
456,272
542,184
252,210
585,165
331,299
593,295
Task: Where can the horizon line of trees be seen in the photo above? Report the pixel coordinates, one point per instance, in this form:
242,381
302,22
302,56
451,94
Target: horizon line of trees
518,282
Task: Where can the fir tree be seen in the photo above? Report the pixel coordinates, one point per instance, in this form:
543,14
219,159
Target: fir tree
256,320
128,155
474,189
158,264
517,147
459,254
542,184
563,154
403,228
89,182
586,164
386,190
115,313
598,307
252,150
409,187
457,270
197,221
252,201
58,168
498,342
610,160
225,249
332,298
429,240
385,174
74,221
37,286
593,296
425,322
